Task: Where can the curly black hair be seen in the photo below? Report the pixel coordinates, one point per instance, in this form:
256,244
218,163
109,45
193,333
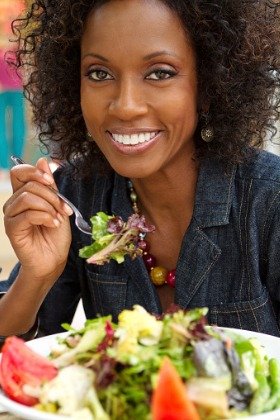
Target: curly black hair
238,66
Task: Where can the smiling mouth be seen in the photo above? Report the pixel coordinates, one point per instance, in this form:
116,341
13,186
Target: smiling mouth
134,139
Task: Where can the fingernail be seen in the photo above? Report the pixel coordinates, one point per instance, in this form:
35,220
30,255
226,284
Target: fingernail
48,177
59,217
56,222
67,209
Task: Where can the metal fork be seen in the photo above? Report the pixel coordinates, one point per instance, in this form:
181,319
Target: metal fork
80,222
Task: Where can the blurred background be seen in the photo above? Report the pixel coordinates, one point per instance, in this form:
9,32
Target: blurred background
17,134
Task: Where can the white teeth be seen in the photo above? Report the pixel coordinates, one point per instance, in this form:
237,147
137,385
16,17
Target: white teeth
134,139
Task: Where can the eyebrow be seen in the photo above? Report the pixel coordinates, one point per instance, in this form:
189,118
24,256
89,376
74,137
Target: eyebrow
158,53
146,58
100,57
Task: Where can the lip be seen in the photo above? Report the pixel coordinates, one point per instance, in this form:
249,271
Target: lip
137,148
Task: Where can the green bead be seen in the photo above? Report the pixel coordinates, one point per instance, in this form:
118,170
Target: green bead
133,197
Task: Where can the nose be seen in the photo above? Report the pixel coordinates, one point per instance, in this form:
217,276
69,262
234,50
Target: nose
128,102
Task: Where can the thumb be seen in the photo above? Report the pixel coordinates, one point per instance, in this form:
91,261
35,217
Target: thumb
44,166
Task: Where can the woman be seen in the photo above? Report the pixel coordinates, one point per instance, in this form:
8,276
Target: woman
177,97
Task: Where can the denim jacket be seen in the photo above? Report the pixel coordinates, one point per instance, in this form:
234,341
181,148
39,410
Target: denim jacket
229,259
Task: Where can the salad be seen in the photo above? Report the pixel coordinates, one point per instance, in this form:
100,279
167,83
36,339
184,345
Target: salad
113,238
144,367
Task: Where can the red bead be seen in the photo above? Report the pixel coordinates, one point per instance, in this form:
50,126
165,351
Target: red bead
149,261
170,278
143,245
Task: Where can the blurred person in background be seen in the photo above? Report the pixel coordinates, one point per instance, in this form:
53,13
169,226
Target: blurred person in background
12,108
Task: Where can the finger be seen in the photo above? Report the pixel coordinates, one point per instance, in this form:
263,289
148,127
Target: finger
29,219
29,195
35,196
21,174
43,165
28,201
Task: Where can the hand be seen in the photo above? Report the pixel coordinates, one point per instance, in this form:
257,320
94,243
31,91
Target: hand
37,222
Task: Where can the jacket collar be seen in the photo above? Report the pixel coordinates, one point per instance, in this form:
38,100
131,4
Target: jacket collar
121,204
214,193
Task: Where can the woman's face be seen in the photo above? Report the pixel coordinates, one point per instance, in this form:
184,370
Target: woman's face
139,86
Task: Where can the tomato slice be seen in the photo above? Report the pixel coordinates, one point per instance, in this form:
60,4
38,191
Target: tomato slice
21,366
170,400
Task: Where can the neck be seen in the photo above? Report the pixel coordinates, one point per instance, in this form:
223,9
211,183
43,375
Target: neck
167,195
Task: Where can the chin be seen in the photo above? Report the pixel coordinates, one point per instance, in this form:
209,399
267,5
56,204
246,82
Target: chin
133,172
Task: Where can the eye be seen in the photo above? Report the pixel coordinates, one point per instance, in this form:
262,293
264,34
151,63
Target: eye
161,74
99,75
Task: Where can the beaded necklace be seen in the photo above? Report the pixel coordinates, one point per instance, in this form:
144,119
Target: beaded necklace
159,275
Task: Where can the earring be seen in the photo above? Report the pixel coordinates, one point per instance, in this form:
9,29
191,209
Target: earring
207,131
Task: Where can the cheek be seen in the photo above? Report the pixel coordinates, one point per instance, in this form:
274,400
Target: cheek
91,106
86,110
181,102
181,112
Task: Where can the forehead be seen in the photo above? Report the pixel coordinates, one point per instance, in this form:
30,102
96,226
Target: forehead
140,23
